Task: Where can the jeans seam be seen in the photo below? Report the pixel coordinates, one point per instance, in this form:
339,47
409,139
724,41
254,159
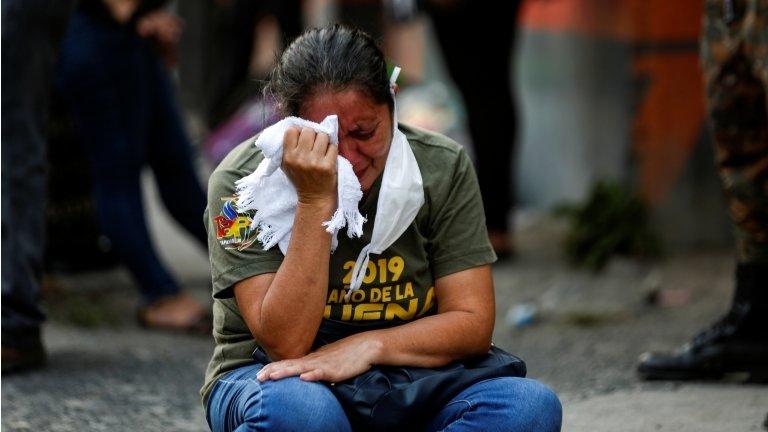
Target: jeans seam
212,391
471,407
261,398
236,381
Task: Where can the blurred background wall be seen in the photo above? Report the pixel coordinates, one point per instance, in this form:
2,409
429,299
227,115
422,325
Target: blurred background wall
613,89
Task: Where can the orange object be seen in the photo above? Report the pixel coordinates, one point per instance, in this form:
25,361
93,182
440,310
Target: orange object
664,35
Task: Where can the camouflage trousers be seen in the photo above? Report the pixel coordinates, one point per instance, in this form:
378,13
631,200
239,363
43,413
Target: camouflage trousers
734,54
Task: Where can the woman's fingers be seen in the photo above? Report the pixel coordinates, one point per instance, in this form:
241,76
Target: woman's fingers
308,166
315,368
286,372
267,370
321,145
332,152
281,369
291,138
264,372
313,375
306,140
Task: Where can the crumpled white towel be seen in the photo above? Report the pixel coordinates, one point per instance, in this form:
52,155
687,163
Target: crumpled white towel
269,191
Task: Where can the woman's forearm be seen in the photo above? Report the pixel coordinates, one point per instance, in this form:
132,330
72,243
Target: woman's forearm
433,341
293,306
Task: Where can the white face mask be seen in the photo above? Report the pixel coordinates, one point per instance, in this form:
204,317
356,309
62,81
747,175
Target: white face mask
400,198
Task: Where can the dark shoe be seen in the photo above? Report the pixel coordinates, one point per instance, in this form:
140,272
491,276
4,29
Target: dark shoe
708,361
737,343
18,359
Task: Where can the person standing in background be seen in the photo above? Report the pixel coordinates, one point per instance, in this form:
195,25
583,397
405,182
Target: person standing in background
31,33
113,78
734,54
462,27
231,69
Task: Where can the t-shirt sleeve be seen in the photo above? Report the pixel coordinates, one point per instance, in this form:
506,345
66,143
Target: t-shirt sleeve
232,247
458,234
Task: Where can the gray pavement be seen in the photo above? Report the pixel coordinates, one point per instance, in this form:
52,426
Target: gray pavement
106,373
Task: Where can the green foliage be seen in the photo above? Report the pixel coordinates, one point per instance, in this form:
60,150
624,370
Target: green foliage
612,221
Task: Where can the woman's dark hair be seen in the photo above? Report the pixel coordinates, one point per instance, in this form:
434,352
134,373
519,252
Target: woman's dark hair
334,58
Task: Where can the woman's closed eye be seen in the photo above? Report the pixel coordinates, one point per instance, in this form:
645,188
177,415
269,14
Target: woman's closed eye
362,135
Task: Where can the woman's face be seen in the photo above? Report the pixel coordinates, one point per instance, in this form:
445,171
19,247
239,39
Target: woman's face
365,129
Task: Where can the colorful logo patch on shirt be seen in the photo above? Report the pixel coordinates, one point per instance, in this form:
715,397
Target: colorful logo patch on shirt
233,228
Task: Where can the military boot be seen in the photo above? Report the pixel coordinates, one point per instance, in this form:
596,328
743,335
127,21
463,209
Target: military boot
737,343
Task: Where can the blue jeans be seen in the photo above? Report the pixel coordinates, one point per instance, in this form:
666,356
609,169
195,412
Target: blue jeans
122,103
239,402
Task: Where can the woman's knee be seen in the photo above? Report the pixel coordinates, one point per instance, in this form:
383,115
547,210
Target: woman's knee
241,402
234,401
294,404
527,404
538,405
548,406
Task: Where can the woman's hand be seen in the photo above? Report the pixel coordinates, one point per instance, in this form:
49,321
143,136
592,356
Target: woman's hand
334,362
309,161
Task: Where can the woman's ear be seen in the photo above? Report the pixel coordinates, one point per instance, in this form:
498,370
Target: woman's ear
395,88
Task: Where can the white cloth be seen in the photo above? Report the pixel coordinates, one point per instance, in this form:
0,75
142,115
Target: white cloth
271,194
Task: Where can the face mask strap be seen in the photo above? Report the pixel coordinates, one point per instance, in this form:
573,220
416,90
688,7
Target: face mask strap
395,73
392,80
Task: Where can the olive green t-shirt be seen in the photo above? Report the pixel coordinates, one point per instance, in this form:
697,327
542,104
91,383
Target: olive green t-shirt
448,235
